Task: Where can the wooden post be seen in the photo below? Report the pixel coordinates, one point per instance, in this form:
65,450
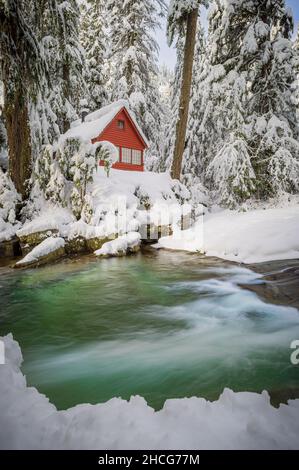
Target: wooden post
181,126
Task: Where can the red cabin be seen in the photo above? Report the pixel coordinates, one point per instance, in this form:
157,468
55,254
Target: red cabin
116,124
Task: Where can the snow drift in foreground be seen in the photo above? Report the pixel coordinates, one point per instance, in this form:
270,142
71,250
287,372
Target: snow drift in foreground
249,237
236,421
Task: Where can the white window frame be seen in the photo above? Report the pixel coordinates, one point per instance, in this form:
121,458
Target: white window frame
136,157
121,124
126,155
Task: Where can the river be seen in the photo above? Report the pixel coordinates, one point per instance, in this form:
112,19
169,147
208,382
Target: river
160,324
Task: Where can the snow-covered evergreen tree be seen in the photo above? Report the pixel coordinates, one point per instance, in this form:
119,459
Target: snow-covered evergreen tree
56,187
273,127
95,41
42,74
57,27
177,13
69,62
9,198
42,107
296,83
134,62
193,162
163,82
21,64
166,160
232,172
250,86
182,23
83,165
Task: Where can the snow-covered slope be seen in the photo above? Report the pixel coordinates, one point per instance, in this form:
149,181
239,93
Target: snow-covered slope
122,199
248,237
119,205
235,421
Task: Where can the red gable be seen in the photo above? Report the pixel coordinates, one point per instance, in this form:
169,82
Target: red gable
124,134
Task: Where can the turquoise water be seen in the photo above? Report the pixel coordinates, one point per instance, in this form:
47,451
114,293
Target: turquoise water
168,325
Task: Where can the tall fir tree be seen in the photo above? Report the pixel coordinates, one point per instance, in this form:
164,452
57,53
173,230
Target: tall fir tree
192,162
166,160
69,62
182,21
95,41
134,62
41,68
21,67
193,158
296,83
250,92
272,121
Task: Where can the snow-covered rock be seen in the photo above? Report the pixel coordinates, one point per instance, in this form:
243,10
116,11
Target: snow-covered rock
49,250
235,421
7,230
51,218
9,248
121,246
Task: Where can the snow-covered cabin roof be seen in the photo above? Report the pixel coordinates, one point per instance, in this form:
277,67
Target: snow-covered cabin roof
96,122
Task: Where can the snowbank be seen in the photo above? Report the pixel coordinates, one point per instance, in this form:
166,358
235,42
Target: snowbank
148,187
248,237
127,200
50,218
82,229
7,230
49,245
120,205
121,245
236,421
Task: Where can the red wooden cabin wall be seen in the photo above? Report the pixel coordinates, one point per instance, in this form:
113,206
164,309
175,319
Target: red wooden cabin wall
127,138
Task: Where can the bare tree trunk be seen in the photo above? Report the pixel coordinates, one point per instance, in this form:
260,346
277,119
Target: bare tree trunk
18,139
66,95
181,127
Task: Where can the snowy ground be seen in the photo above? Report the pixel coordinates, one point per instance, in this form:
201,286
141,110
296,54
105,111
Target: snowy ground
236,421
131,193
250,237
120,205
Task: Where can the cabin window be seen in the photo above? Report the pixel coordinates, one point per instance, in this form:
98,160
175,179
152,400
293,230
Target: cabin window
126,155
136,157
121,124
118,154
